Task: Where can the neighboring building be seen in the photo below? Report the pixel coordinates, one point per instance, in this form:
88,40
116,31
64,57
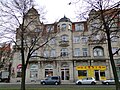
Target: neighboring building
72,54
5,56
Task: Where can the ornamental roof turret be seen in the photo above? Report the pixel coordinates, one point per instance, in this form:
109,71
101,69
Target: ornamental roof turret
64,19
32,11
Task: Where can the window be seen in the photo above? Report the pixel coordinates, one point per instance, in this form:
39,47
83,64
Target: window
84,39
52,41
82,73
79,27
85,51
102,73
34,71
114,49
64,52
38,30
118,61
50,28
34,54
64,38
76,52
69,27
114,38
20,56
64,26
46,53
33,40
98,51
53,53
76,39
48,72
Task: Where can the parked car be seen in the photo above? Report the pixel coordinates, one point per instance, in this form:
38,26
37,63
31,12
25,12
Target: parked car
51,80
109,81
88,80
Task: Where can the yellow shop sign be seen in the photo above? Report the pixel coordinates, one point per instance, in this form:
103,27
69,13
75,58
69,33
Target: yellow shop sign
91,67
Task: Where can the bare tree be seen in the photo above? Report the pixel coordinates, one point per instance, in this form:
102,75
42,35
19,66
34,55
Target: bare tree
103,20
30,35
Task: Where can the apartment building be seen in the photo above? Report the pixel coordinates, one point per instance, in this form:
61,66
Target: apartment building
71,54
5,57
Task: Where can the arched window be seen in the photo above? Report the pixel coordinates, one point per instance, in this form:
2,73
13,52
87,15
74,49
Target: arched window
33,72
63,27
98,51
48,70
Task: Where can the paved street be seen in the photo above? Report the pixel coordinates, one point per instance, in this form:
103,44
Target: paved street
37,85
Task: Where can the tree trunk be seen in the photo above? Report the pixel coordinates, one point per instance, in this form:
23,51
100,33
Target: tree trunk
112,62
23,58
23,79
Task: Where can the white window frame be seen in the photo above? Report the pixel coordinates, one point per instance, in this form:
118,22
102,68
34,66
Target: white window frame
64,52
76,39
79,27
77,52
53,53
52,41
84,39
98,52
46,53
85,51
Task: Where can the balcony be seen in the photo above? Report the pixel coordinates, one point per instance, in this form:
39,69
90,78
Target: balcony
64,43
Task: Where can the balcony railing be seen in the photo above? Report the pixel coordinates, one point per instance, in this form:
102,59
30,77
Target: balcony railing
64,43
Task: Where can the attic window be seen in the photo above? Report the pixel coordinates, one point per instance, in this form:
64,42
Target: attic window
38,30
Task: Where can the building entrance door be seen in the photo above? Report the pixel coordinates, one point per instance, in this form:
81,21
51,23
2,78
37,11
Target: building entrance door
65,74
97,76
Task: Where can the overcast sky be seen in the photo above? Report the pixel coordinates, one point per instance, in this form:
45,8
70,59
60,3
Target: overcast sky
56,9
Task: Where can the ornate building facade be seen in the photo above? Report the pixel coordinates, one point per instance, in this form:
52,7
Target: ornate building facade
71,54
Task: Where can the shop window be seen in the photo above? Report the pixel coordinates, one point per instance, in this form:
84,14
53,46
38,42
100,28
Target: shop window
82,72
34,72
102,73
48,72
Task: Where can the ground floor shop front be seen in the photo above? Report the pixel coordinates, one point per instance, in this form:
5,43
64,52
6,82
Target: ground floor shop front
68,70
